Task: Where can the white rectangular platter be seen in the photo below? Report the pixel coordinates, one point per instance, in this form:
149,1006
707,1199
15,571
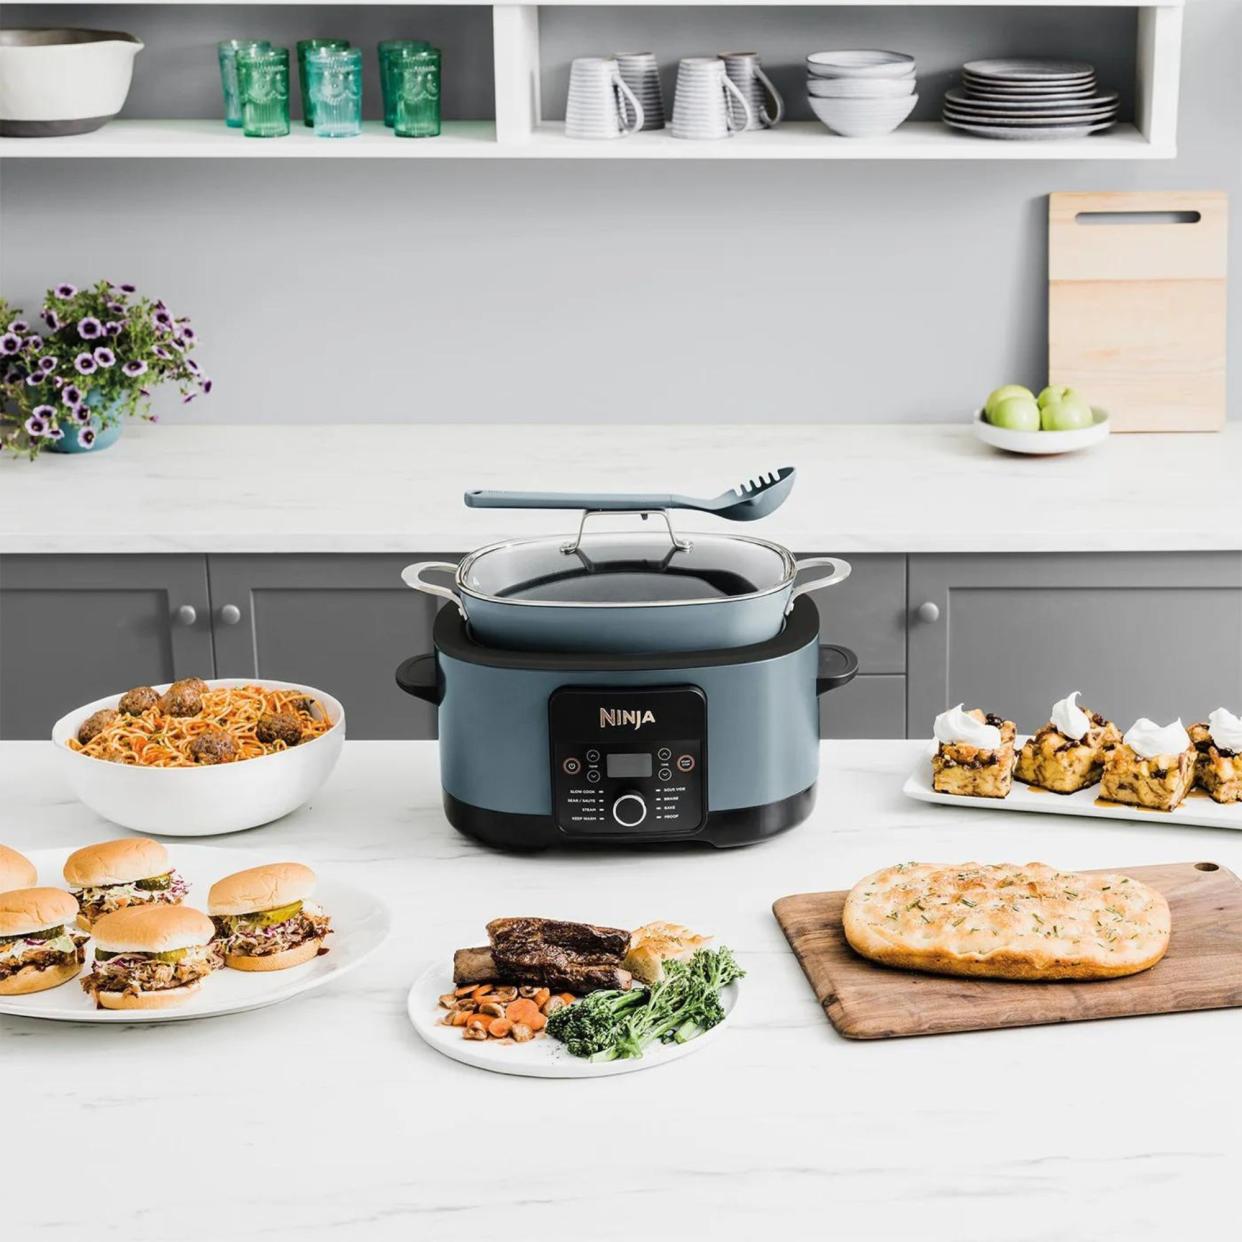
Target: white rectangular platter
1198,810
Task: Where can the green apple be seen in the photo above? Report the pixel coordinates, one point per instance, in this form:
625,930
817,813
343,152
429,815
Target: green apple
1017,413
1068,414
1004,393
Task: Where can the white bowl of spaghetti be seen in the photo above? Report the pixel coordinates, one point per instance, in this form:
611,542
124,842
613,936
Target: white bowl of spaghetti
138,771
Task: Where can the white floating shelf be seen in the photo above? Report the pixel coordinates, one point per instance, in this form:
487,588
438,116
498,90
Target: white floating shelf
797,140
669,4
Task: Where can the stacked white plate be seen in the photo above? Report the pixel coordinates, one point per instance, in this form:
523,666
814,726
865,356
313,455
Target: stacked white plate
861,93
1024,99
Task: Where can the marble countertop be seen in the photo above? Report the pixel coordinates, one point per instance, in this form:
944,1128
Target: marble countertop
328,1118
873,488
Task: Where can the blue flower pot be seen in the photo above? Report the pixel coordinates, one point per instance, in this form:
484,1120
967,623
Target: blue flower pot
104,436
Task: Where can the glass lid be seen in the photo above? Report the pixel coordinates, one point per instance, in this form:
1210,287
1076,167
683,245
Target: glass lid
627,570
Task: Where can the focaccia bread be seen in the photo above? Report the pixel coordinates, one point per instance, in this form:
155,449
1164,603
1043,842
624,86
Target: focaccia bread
1005,921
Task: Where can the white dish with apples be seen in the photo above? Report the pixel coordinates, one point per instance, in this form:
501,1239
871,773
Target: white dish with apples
1196,811
360,924
1041,443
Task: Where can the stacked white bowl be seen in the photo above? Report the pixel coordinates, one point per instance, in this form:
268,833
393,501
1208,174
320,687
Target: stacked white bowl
861,93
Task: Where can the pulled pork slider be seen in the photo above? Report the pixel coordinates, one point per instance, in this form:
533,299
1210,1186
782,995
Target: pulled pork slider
265,919
112,875
38,949
16,870
150,957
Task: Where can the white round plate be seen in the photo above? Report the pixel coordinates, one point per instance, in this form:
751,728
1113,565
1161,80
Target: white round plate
1041,443
971,116
1012,132
543,1056
360,922
966,99
1025,69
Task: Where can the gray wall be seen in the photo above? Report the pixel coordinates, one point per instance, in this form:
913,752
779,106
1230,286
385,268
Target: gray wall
582,291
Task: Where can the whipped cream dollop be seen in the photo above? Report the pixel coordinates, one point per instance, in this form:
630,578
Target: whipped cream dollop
1148,739
1069,719
1226,729
958,725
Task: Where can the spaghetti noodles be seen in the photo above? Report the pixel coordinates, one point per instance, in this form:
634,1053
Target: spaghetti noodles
154,739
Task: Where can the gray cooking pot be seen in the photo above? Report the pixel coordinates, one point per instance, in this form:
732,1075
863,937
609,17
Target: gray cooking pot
626,593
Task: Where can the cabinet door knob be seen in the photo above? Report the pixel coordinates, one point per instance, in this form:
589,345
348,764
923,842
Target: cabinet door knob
187,614
230,614
928,612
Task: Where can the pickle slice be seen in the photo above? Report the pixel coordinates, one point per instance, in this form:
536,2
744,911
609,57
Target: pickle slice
269,918
172,955
155,883
49,933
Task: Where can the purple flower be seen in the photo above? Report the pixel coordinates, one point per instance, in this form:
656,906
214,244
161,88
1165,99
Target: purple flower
34,343
188,398
188,335
206,385
86,437
146,392
10,343
85,364
160,352
34,379
37,426
117,308
47,363
12,375
19,325
162,319
58,381
113,328
81,413
65,291
105,357
54,433
44,412
89,328
135,368
51,318
128,288
70,395
193,366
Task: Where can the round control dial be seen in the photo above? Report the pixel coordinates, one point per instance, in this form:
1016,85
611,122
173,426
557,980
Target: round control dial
629,810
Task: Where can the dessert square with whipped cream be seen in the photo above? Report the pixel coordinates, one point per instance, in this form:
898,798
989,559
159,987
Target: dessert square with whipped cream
1154,766
975,753
1067,754
1218,746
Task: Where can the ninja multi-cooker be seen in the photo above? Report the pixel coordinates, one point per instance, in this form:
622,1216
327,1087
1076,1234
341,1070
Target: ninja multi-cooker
627,688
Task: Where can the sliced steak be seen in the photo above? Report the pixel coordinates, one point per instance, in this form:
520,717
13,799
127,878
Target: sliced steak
481,965
526,938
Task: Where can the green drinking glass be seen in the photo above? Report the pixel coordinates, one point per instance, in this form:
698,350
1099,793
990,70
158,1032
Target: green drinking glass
334,84
389,50
305,46
416,74
226,53
263,83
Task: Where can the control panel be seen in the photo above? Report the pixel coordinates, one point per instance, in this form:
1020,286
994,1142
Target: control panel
629,762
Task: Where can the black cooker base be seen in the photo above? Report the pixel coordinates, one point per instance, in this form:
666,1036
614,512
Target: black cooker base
724,829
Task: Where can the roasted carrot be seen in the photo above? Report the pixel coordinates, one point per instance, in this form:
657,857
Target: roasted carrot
568,997
526,1012
541,997
498,1028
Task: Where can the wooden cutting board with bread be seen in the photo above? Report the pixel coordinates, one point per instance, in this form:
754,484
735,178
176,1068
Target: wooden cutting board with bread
1178,940
1136,305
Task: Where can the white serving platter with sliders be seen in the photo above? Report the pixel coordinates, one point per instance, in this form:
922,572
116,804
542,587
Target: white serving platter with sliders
1196,811
360,923
542,1057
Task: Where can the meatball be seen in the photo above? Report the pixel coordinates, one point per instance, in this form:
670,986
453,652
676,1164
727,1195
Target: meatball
183,698
138,700
95,724
213,746
279,727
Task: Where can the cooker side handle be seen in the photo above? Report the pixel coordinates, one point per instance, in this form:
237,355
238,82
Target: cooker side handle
419,676
837,666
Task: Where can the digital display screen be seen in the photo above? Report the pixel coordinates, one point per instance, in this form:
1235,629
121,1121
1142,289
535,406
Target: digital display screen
623,766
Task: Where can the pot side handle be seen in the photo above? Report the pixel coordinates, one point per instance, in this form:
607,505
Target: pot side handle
837,666
840,571
412,576
420,677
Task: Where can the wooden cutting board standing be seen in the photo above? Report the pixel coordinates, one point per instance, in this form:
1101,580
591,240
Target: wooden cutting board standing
1136,306
863,1000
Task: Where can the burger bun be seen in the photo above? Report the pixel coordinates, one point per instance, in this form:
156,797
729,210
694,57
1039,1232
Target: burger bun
261,888
32,979
153,928
26,910
116,862
276,961
167,998
16,870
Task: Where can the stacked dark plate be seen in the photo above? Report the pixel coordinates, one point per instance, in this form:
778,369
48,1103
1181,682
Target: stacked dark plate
1024,99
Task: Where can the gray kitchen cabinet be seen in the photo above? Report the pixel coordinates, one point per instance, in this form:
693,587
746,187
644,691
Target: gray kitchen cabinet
76,628
1140,635
341,623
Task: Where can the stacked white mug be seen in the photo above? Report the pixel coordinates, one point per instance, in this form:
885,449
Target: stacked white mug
641,73
765,100
708,104
600,105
